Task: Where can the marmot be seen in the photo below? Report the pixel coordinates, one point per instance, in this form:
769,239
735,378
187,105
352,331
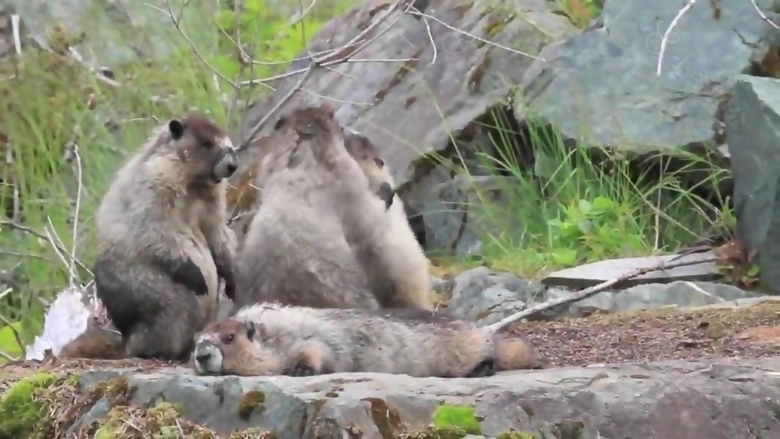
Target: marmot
404,281
294,251
163,246
272,339
95,343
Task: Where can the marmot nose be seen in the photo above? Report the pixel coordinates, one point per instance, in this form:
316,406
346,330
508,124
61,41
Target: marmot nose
202,358
231,168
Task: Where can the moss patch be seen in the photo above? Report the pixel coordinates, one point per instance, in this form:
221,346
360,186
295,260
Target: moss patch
435,433
21,408
252,401
460,417
160,422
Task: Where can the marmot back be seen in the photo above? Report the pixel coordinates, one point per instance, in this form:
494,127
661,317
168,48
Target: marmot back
400,273
295,251
162,243
270,339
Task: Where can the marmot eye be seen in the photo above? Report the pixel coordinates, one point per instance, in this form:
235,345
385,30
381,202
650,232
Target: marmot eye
379,162
228,338
207,143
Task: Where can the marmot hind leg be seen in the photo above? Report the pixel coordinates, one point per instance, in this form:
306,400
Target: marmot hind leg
313,358
170,335
157,316
485,368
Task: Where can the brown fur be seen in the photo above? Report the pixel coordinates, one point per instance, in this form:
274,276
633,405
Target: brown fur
294,251
96,343
163,246
270,339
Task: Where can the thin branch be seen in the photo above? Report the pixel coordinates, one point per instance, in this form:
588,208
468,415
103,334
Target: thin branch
42,236
15,23
480,39
665,38
762,15
71,268
16,335
588,292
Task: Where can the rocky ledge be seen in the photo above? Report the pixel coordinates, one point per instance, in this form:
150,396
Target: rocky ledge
724,398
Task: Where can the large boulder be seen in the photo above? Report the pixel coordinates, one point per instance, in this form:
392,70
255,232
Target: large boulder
754,140
671,399
602,85
437,76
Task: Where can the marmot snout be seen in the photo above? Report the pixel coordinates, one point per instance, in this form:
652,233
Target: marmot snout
232,336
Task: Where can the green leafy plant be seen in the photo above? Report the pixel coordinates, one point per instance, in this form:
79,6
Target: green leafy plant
594,229
459,417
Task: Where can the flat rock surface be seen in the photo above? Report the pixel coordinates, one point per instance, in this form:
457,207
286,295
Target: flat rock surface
594,273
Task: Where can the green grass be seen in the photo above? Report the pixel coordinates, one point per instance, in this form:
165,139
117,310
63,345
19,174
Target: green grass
583,207
53,101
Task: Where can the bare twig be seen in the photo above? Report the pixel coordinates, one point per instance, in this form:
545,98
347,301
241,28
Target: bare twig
16,335
60,248
56,242
337,56
665,38
762,15
73,151
15,23
591,291
463,32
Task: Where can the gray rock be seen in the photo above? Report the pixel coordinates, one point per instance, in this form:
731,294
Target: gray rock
754,136
594,273
605,79
115,33
671,399
454,213
681,294
439,285
411,116
482,295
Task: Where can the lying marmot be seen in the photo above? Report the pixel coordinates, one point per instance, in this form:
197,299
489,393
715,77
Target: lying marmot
271,339
162,241
404,281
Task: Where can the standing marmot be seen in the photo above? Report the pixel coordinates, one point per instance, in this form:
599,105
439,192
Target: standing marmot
294,251
405,281
162,243
270,339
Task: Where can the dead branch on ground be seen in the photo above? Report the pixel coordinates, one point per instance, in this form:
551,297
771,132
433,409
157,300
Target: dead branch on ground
592,291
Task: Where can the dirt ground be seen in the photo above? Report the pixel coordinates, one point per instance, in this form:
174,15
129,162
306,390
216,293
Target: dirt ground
638,336
654,335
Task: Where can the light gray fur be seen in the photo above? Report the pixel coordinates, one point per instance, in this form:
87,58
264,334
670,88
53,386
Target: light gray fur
294,251
152,213
341,340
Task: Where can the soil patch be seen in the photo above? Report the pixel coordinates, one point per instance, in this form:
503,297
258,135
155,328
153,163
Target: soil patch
654,335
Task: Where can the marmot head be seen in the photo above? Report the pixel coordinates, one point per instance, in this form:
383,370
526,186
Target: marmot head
367,155
203,150
231,347
361,148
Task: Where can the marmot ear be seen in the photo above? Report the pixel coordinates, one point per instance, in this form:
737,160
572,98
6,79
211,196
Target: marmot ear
328,109
250,330
176,128
279,123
